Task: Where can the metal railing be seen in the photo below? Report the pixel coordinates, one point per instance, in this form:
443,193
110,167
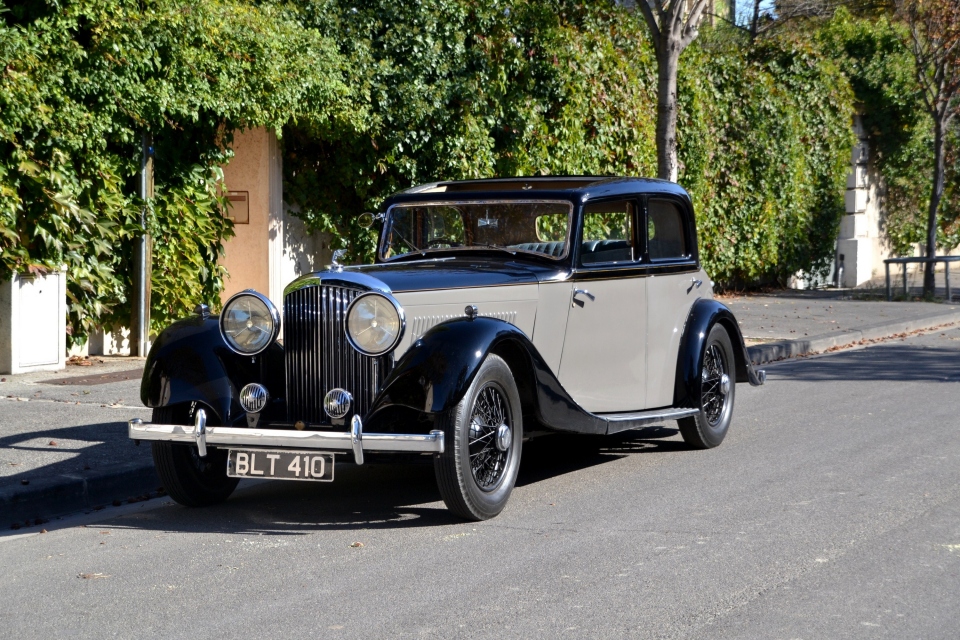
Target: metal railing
922,260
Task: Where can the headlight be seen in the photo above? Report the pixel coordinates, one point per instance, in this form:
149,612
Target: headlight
249,322
374,324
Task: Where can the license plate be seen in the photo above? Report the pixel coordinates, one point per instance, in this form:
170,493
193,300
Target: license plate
282,465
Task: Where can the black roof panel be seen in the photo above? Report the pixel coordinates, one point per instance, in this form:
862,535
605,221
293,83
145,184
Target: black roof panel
576,188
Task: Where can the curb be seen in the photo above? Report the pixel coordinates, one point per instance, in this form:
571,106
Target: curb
68,493
781,350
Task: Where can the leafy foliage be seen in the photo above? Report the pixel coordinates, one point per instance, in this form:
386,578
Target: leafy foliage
881,72
765,144
373,97
455,90
79,83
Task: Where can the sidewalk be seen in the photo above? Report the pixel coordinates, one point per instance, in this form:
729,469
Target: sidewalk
63,440
63,435
789,323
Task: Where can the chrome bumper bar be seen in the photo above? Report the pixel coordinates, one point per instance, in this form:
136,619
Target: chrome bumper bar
355,441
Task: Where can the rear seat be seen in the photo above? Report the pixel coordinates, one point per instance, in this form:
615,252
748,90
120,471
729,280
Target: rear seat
605,251
592,251
554,249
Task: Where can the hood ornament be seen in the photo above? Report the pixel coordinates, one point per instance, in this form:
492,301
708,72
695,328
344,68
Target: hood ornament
335,260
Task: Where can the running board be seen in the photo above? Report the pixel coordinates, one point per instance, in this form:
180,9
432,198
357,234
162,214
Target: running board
617,422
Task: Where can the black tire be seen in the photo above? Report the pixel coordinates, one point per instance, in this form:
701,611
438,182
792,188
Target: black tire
477,487
189,479
708,428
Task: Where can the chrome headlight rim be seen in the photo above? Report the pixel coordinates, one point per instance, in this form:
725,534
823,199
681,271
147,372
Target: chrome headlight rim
396,305
274,316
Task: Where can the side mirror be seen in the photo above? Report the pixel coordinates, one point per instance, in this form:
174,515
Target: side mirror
366,220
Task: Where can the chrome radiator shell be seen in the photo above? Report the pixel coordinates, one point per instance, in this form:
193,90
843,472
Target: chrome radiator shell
318,356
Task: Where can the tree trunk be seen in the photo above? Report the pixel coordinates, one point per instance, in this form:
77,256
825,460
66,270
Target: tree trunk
755,22
939,171
667,63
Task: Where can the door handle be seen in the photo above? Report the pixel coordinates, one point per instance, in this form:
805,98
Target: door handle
580,303
694,282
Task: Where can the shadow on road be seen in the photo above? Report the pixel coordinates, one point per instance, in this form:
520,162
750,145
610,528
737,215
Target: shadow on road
385,496
78,449
893,362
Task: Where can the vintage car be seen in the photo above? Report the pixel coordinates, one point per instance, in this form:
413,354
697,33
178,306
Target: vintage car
495,311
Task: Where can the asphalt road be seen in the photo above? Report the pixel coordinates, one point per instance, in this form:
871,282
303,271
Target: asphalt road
832,510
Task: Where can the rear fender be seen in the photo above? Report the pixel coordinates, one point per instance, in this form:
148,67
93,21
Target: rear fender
703,316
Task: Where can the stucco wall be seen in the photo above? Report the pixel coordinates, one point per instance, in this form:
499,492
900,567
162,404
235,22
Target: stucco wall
247,253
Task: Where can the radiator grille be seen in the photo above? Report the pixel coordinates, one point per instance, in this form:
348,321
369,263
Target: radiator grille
318,356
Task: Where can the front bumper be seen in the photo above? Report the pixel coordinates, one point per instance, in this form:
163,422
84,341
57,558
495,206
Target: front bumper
355,441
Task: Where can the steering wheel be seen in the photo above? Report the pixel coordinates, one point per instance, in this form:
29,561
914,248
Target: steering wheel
443,240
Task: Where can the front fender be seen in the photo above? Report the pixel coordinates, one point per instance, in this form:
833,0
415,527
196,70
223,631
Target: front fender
435,373
703,316
190,362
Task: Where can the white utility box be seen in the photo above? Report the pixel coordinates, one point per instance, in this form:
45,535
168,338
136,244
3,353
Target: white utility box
33,323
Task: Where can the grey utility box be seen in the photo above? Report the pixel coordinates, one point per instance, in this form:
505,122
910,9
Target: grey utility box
33,323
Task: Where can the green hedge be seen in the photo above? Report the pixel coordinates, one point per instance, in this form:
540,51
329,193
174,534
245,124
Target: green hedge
454,89
374,97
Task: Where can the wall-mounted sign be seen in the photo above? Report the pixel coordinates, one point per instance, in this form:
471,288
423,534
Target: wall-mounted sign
239,210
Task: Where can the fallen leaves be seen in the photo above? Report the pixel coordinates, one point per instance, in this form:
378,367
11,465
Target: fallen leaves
357,545
92,576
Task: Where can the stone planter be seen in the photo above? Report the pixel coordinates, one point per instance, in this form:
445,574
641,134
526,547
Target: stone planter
33,323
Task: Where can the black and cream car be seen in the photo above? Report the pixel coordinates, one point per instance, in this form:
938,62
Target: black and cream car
495,310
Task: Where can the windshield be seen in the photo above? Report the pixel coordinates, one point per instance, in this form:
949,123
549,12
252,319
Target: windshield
533,226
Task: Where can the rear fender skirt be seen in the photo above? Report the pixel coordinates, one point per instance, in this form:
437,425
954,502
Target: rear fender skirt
704,314
190,362
438,369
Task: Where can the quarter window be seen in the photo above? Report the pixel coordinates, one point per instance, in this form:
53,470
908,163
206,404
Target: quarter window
665,238
607,232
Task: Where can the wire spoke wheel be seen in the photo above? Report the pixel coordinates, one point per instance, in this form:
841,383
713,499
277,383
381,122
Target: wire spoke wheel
489,426
708,427
713,394
483,443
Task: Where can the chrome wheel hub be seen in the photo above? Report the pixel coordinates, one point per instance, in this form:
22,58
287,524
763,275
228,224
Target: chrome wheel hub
504,437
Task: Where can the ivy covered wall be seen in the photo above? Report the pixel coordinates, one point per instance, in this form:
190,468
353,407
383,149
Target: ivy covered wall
375,96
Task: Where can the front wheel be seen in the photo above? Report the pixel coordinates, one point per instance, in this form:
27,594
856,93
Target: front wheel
484,436
708,427
189,479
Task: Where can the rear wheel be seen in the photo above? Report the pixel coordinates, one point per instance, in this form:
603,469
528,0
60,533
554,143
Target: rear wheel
189,479
708,427
484,436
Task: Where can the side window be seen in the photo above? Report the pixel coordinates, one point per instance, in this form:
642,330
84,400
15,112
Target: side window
607,232
665,238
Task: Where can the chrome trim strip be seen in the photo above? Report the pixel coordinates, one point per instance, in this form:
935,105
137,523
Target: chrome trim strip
355,279
617,422
432,442
655,414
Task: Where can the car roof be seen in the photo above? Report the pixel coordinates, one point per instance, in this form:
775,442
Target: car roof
577,188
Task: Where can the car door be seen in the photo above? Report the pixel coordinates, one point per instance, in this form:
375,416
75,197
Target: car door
674,284
603,365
